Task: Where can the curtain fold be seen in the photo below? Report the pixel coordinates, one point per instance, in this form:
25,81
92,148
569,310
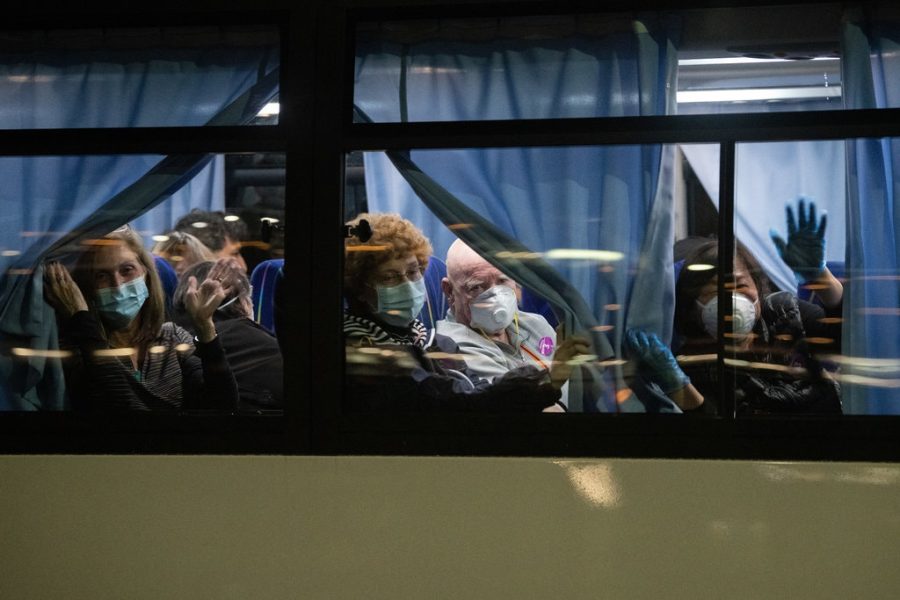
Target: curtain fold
871,74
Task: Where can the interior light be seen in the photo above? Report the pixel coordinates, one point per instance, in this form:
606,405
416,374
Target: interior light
160,238
741,60
700,267
582,254
199,224
758,94
232,218
269,110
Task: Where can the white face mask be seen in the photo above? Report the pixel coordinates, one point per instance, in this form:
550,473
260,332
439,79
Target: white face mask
494,309
743,311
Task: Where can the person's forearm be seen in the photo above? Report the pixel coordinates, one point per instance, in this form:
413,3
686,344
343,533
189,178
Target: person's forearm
687,398
833,291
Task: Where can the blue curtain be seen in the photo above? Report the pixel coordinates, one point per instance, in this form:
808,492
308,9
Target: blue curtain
770,176
597,198
871,63
53,202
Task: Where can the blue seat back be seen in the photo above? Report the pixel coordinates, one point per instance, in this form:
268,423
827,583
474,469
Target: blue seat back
264,279
435,302
169,280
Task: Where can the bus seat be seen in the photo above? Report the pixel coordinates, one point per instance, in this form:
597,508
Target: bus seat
533,303
168,278
264,279
435,302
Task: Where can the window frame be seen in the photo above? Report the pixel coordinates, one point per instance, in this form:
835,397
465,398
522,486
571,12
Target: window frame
315,131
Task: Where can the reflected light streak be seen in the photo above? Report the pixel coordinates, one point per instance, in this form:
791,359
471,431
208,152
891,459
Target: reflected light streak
101,242
200,224
687,359
831,320
518,255
30,352
20,271
612,307
182,347
232,218
157,349
10,253
602,328
700,267
458,226
594,483
367,248
877,382
761,366
109,352
819,340
583,254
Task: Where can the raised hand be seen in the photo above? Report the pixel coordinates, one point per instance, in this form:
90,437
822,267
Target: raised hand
61,292
202,300
804,249
656,358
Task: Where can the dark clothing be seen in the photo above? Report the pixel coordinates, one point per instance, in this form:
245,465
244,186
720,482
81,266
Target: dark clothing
781,372
414,370
175,373
255,359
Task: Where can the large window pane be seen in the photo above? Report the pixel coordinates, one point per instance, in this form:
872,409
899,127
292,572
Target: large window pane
734,60
99,311
147,77
582,236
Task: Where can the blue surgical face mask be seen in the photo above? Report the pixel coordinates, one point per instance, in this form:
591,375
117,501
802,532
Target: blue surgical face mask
399,304
118,306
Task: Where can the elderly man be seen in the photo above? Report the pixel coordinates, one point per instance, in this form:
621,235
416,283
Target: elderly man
484,318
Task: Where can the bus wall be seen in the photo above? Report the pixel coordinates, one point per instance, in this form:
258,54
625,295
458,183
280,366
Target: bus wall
371,527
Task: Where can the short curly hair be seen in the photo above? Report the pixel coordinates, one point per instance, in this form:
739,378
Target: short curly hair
392,237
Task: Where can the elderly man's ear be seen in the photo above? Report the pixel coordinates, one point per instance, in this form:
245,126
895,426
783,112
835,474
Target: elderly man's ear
447,288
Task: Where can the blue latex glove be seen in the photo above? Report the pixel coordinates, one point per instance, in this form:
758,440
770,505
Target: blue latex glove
652,354
804,250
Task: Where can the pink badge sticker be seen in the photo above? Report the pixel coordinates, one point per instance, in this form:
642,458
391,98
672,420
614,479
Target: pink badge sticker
545,346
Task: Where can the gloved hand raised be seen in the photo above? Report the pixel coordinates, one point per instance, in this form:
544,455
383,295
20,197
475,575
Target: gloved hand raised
804,250
652,354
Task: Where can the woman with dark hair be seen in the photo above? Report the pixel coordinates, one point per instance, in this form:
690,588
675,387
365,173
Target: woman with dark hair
126,357
774,336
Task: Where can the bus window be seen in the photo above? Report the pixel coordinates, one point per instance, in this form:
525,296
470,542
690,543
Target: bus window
507,269
137,285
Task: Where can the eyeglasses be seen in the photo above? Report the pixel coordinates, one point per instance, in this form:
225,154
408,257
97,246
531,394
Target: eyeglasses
392,278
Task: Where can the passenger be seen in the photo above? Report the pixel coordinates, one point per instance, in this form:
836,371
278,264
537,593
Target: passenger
182,251
484,319
252,352
775,328
222,237
110,311
411,368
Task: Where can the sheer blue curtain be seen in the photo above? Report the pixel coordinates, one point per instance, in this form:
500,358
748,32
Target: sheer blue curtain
52,202
871,46
768,177
599,198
